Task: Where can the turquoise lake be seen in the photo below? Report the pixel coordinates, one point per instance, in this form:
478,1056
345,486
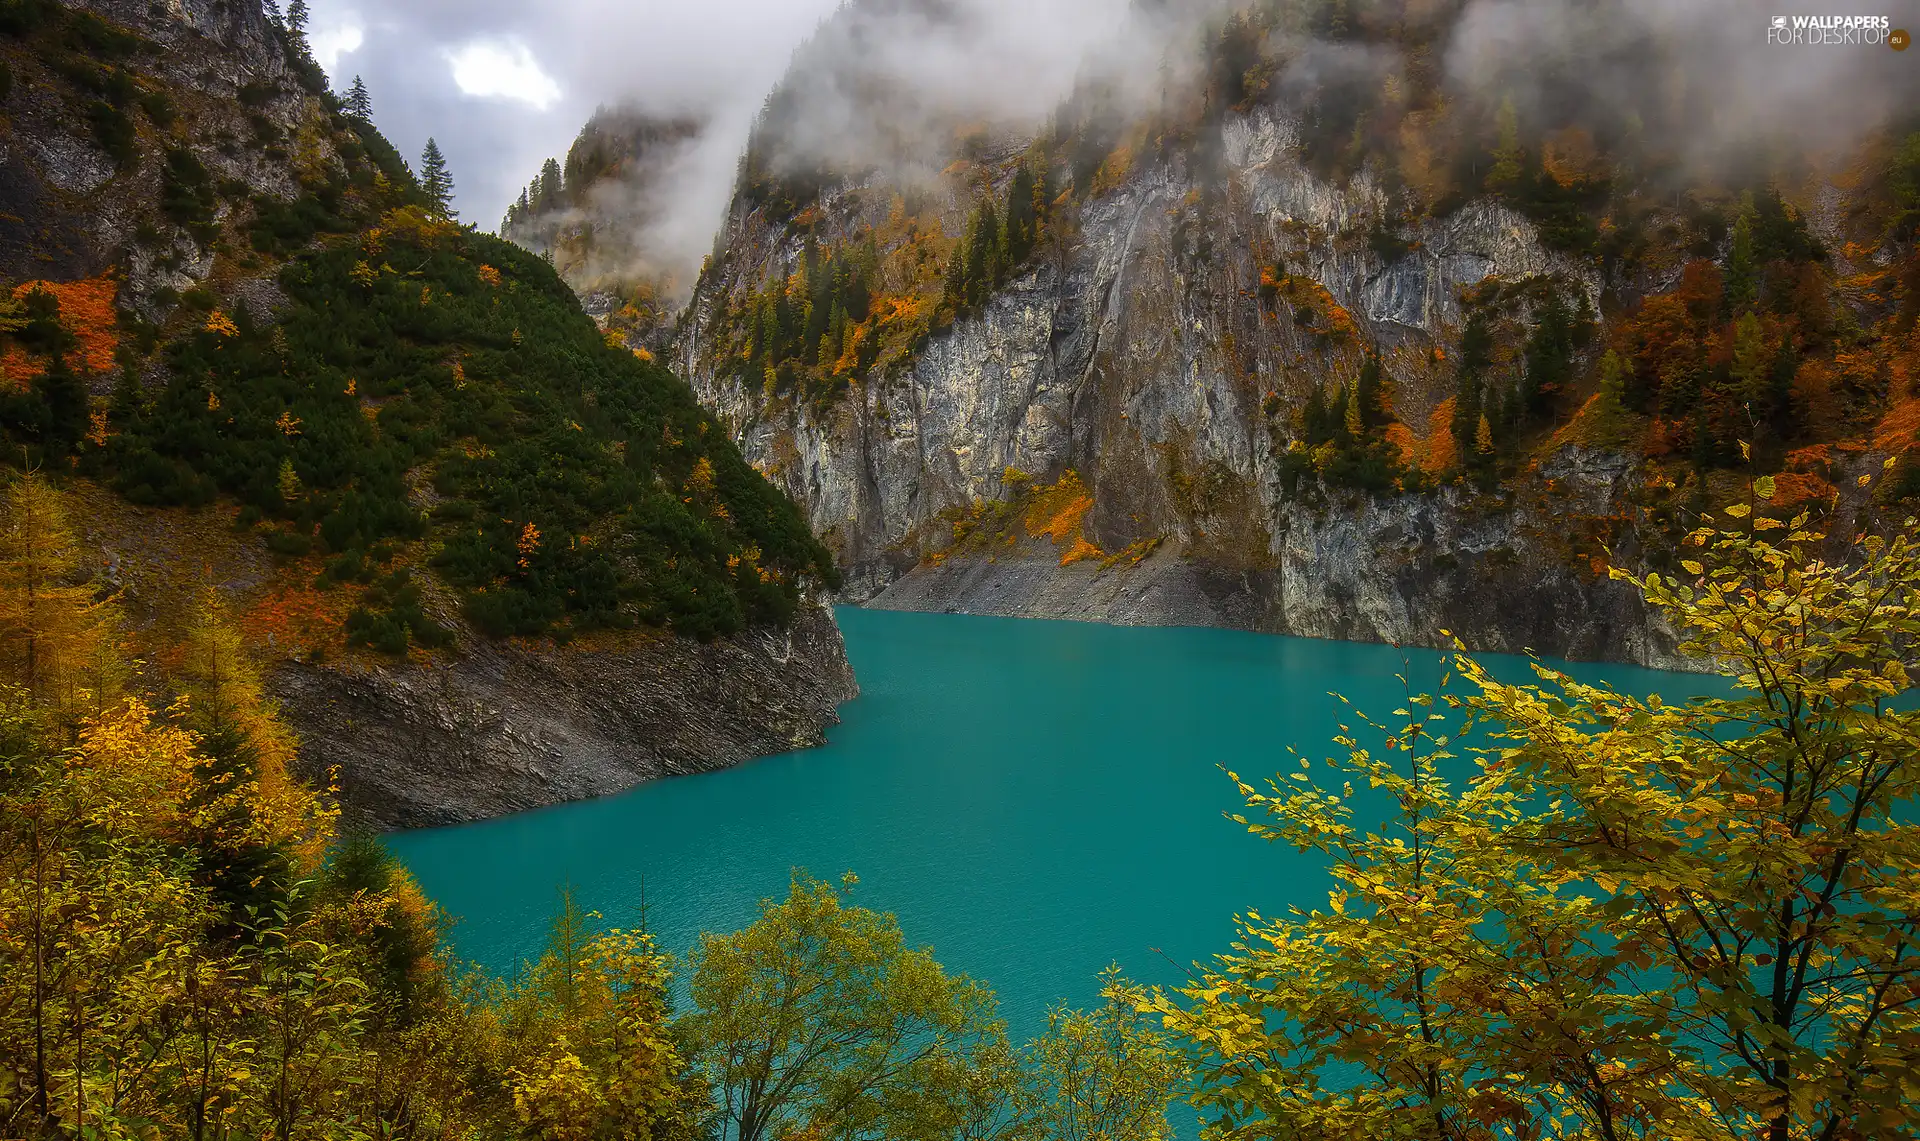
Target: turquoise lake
1034,800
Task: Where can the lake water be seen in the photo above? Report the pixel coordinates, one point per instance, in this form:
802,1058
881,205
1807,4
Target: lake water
1034,800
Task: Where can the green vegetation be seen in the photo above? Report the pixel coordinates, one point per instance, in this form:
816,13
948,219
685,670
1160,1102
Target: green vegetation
1595,915
428,397
1344,440
1591,915
572,486
999,237
189,948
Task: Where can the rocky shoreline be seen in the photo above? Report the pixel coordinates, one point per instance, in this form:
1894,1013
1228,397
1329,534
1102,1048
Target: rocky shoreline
504,728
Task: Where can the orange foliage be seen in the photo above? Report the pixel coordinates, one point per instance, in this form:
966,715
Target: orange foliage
1569,156
87,311
1813,459
1306,293
1081,551
1058,511
1792,487
1402,438
293,619
1897,430
1442,452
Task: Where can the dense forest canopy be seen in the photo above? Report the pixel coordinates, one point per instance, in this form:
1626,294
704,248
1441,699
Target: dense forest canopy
400,403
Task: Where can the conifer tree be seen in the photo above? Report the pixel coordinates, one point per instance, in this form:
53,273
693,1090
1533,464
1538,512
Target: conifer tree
359,104
1742,273
297,16
56,634
435,179
548,187
1507,156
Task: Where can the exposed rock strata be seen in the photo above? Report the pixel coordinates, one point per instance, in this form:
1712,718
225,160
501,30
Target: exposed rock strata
504,729
1137,359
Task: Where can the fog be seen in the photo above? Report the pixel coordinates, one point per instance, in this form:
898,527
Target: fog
884,82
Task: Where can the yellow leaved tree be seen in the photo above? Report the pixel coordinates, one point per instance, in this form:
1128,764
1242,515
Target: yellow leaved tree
1597,915
57,634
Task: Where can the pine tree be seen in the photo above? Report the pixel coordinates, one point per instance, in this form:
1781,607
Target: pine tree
1508,158
1742,273
435,180
297,16
1751,374
551,185
359,104
56,635
271,8
1549,358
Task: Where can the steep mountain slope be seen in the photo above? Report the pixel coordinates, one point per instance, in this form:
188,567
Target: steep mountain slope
1312,343
597,218
497,560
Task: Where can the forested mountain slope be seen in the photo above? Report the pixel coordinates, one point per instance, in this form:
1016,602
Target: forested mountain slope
1346,322
597,217
495,560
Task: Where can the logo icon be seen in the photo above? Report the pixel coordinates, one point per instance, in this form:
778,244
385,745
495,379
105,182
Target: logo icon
1899,39
1779,24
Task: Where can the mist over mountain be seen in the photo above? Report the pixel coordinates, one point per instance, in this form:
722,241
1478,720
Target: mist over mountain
901,87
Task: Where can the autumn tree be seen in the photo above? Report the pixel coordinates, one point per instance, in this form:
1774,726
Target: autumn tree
1106,1073
57,638
819,1016
1598,915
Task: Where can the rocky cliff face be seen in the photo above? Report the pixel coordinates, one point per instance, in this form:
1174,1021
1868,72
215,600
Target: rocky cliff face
1139,355
159,163
503,728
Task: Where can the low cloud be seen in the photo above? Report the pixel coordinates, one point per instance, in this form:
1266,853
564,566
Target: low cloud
502,69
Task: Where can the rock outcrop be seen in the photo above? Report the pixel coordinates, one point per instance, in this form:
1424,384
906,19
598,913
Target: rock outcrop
1138,357
146,146
503,728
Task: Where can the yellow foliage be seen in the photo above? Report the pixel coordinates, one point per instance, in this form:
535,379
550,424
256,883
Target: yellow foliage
56,637
1402,438
414,225
1442,453
222,691
1081,551
554,1095
221,325
1058,511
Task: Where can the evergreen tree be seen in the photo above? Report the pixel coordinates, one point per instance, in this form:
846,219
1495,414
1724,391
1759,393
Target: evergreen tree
548,187
271,8
1372,392
297,16
1742,270
1549,359
1508,158
359,104
1476,352
435,180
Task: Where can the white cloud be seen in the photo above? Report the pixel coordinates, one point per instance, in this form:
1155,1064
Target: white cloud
331,42
502,69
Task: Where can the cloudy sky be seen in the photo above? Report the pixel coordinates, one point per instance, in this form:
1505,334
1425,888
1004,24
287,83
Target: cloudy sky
504,84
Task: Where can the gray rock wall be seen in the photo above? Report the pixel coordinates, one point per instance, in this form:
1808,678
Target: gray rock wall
503,728
1141,359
